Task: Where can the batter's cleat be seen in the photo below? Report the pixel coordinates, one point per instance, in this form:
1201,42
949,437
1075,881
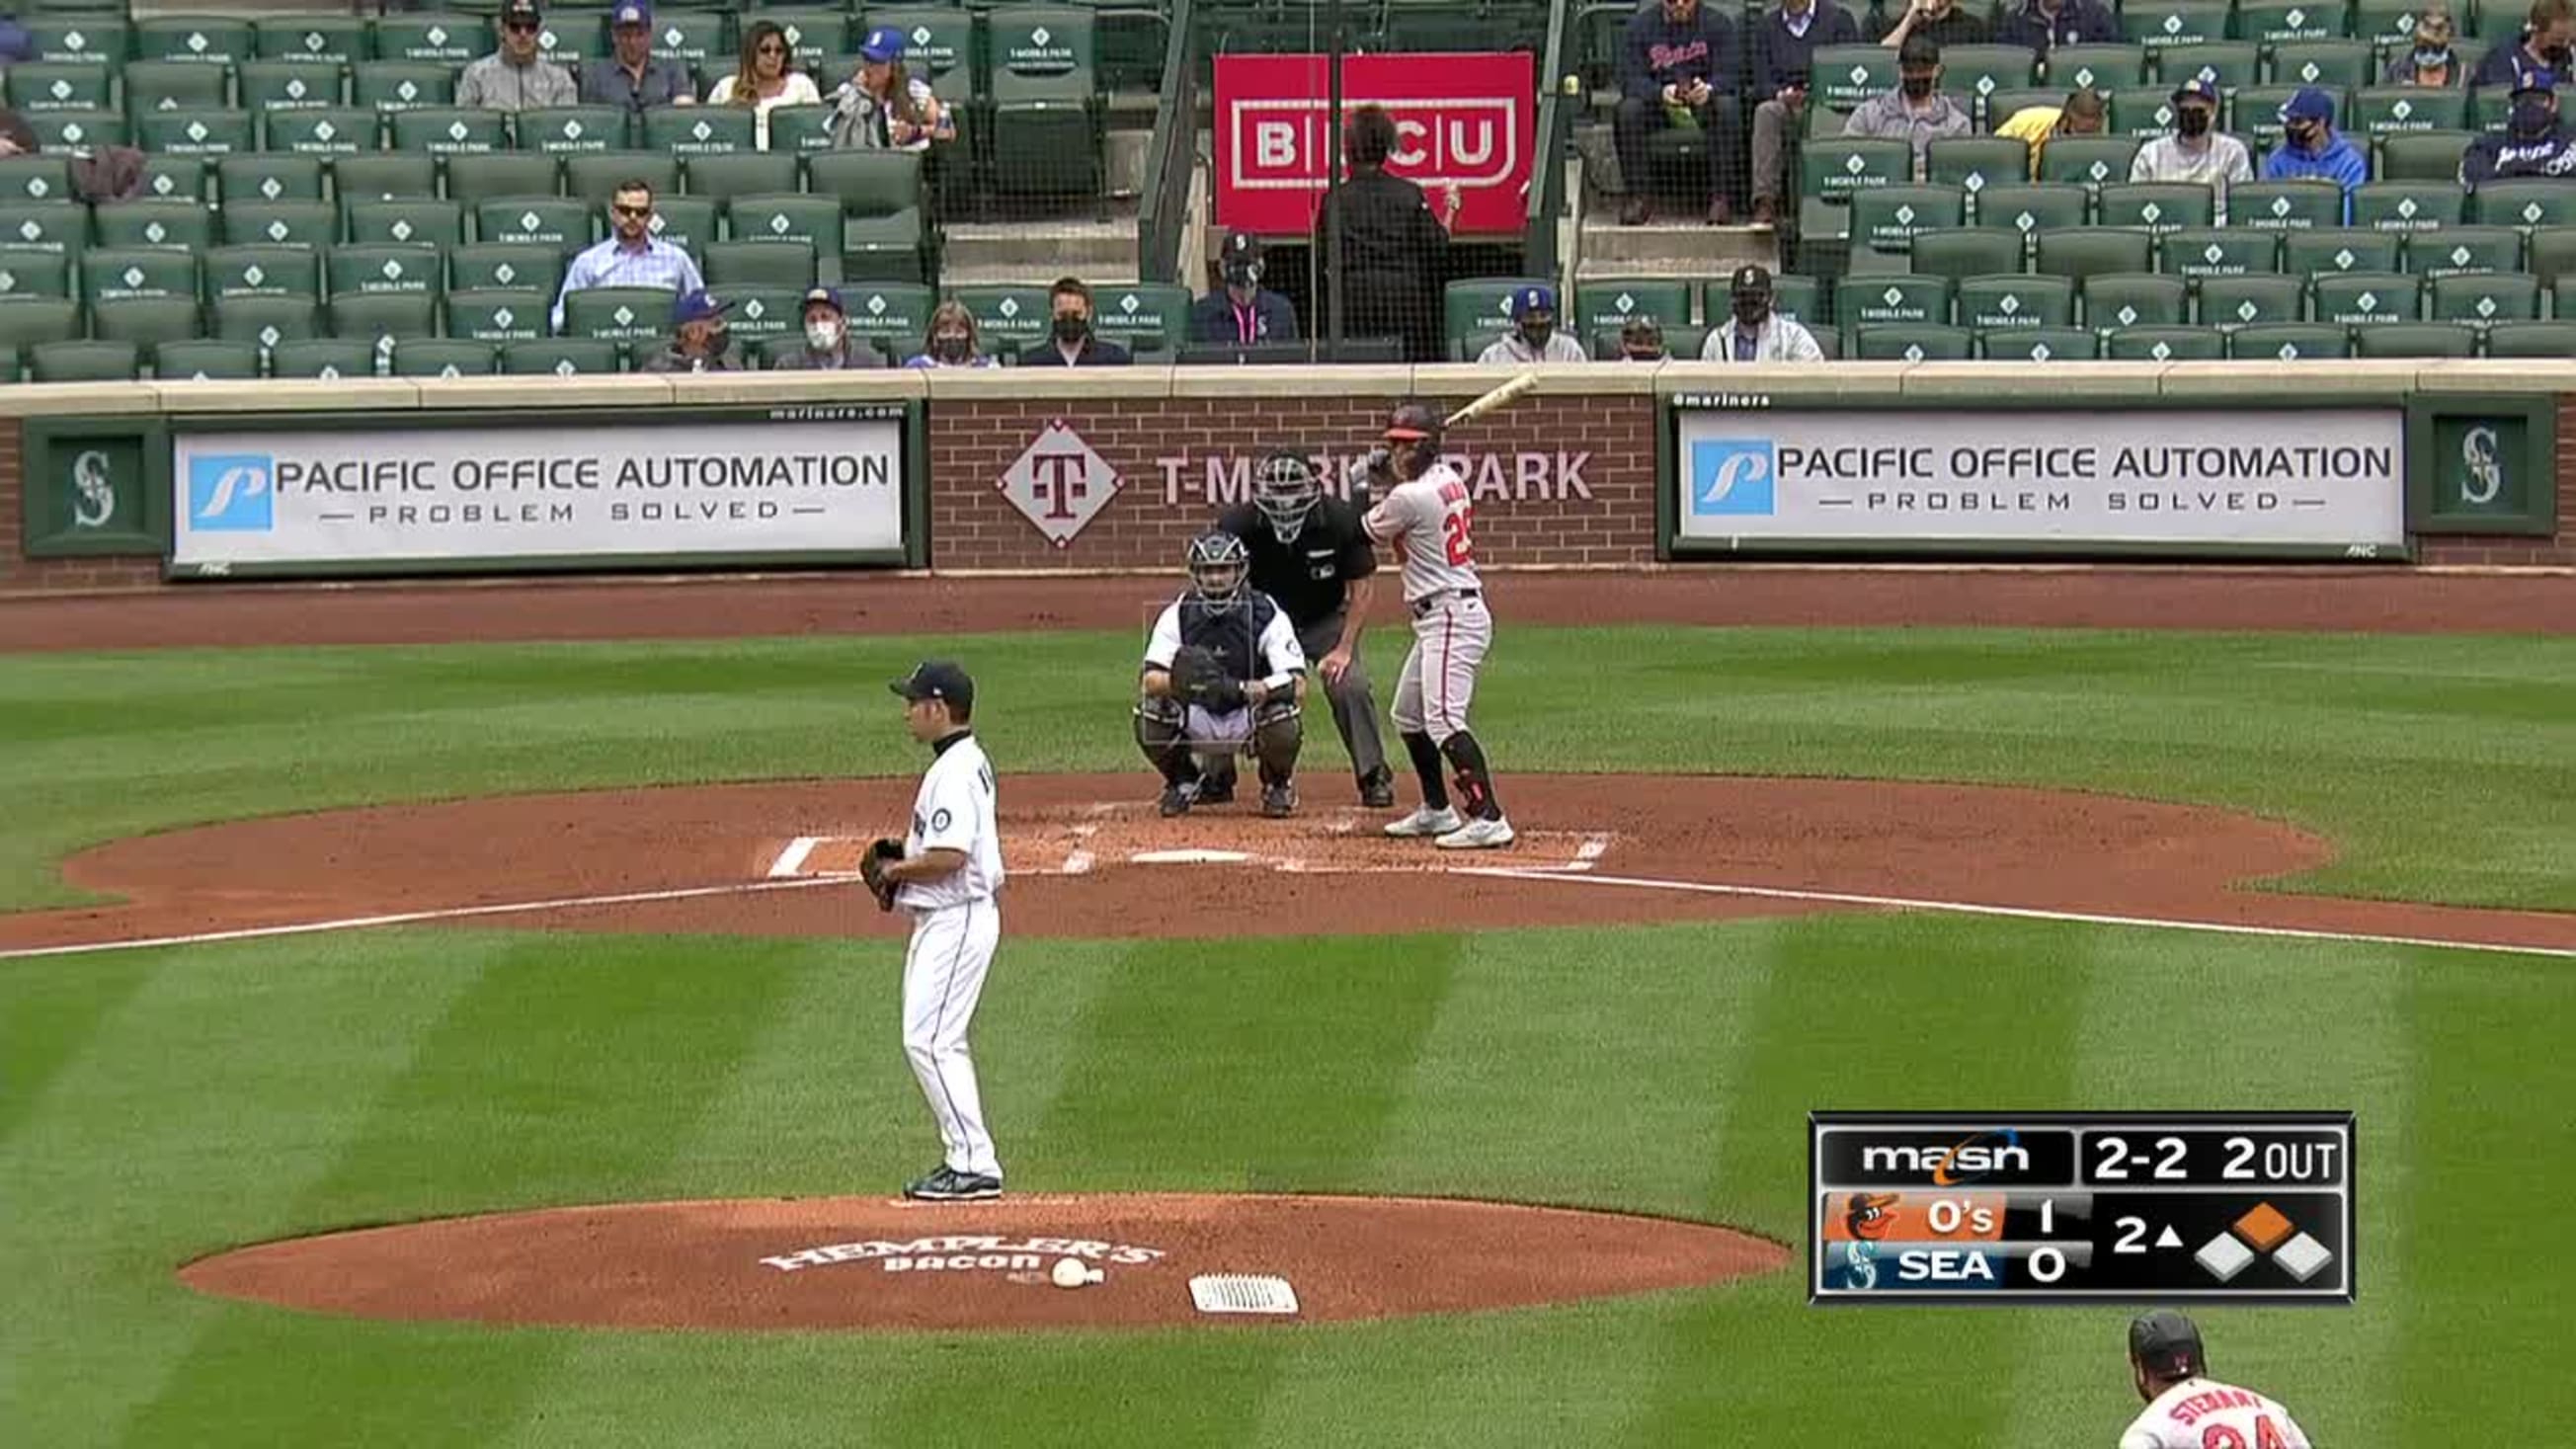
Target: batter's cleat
1377,790
1177,798
1478,835
947,1184
1278,801
1425,821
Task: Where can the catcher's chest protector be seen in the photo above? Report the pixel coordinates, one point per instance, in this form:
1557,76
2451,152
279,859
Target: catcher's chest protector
1232,635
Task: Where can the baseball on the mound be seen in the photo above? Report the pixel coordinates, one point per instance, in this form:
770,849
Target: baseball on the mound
1071,1273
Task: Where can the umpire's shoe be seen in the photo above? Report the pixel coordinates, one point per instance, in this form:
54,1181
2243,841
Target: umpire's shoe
1377,789
1279,801
947,1184
1177,797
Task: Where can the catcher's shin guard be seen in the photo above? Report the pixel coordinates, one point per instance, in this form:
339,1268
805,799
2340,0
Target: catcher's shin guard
1278,732
1159,733
1426,767
1475,781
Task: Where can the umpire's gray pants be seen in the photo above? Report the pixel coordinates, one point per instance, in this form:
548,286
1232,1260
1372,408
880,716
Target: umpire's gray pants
1354,704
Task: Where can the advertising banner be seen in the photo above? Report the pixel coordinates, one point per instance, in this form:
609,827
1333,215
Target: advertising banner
1465,119
2285,481
823,484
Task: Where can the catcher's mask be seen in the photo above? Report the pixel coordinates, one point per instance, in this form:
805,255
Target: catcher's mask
1285,489
1219,564
1413,438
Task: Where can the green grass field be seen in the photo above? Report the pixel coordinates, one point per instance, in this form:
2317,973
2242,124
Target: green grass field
157,1105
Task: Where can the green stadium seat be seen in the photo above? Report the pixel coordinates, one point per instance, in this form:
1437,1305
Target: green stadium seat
788,216
2422,155
474,177
938,41
1965,252
2285,205
2161,24
618,314
557,221
375,316
2227,65
2089,160
749,173
1973,163
800,130
59,85
115,274
26,322
498,314
2334,64
444,357
1926,342
280,223
263,271
36,274
2416,339
1009,318
572,130
1886,219
1997,303
1610,303
204,359
687,222
265,320
559,356
2464,249
2252,299
213,41
2552,252
338,131
2523,203
2276,22
1976,72
52,226
2408,206
812,35
77,130
2115,301
572,38
2033,211
1831,169
2254,115
446,40
172,85
1800,299
732,265
2532,339
269,176
1681,340
595,176
379,175
2377,20
699,39
2289,342
1145,317
2218,252
2140,115
287,85
381,268
327,358
2038,344
338,39
2081,252
2165,344
695,131
182,178
36,178
1846,76
762,313
868,183
403,85
2405,111
146,321
197,133
2338,249
450,130
1903,300
99,361
100,40
2156,207
2482,299
896,313
2364,299
1473,312
146,222
413,221
2097,67
487,266
1042,102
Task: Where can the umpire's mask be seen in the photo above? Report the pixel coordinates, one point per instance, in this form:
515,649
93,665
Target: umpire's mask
1285,490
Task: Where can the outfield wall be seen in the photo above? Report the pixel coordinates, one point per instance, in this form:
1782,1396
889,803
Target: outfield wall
1603,466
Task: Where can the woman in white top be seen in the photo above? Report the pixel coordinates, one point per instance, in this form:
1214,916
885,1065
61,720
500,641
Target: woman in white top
883,107
762,80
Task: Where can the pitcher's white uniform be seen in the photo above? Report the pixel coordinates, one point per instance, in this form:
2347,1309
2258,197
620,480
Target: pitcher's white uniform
1430,523
2206,1414
955,926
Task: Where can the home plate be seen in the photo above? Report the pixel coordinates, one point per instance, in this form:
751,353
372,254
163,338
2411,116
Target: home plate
1190,857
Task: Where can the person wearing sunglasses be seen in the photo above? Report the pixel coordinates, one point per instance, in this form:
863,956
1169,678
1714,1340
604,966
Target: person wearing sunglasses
632,256
516,77
765,79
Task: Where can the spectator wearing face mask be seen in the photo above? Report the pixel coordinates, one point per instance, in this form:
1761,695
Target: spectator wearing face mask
952,341
1755,333
828,344
2430,61
1641,339
2195,151
1533,337
2534,145
883,106
1073,344
2542,50
1243,311
700,342
2312,150
1916,111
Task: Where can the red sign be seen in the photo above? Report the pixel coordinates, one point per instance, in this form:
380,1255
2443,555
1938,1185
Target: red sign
1466,120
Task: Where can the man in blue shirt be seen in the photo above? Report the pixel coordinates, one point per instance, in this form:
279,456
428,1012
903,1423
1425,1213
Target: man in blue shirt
2312,150
1784,52
2543,47
1678,66
632,256
1242,312
2534,144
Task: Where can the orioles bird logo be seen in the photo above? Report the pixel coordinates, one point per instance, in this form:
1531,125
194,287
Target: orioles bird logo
1868,1217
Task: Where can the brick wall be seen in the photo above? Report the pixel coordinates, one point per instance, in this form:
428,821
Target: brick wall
52,573
2526,551
1558,479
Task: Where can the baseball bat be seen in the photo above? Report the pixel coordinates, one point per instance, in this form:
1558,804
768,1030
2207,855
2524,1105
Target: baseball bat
1493,399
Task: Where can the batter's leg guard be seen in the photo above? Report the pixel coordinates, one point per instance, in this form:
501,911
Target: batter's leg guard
1278,732
1475,781
1426,766
1159,734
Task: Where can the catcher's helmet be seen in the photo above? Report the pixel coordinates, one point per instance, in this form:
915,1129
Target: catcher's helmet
1219,565
1414,431
2167,1345
1285,489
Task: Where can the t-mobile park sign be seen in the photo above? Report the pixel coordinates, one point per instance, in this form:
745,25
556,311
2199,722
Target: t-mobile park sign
1462,119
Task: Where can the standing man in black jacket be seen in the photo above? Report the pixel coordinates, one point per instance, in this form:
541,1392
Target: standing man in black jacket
1395,252
1680,64
1784,52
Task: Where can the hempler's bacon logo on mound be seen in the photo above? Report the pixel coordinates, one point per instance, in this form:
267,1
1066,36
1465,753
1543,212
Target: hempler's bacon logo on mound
1463,119
962,1252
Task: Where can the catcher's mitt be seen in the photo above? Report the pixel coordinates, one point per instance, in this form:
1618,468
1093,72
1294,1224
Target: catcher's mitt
1199,677
872,869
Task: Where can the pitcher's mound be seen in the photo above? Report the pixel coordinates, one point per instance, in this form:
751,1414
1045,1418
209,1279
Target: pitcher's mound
874,1263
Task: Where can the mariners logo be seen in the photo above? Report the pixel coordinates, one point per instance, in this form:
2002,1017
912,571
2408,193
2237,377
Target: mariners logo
2482,460
1734,476
93,491
232,493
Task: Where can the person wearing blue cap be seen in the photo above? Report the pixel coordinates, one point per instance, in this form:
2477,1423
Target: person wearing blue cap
883,106
632,78
1533,337
827,345
2195,151
2312,149
700,341
2534,144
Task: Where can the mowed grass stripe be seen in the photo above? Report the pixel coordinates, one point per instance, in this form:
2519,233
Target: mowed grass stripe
2485,1317
1862,1012
2210,1022
49,1011
201,1108
566,1073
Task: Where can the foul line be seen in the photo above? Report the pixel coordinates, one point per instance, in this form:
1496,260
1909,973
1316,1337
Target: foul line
2026,913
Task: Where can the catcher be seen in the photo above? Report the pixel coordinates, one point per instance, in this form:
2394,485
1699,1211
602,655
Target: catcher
1223,677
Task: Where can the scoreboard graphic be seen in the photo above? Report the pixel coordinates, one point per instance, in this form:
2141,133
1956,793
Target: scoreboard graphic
2095,1207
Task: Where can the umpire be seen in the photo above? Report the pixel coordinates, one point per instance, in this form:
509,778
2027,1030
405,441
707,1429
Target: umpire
1310,556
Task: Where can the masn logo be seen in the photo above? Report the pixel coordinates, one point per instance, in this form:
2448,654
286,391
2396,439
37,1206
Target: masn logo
1733,476
1957,1165
232,493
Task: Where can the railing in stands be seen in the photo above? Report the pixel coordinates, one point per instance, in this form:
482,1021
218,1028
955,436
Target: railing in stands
1557,107
1173,158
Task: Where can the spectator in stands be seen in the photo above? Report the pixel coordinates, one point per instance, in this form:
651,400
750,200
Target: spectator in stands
632,77
2196,150
883,107
1940,21
632,256
1755,333
1242,311
17,138
1916,110
700,341
829,347
1678,66
2534,145
2084,114
1533,337
1394,250
1784,51
763,80
1641,339
2430,61
515,77
1073,344
952,341
2044,25
2542,48
2312,150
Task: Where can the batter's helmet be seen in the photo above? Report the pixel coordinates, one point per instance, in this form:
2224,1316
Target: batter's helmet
1285,489
1219,564
1414,428
2167,1345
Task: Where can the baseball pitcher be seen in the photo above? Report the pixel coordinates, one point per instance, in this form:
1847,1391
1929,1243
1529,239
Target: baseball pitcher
1429,520
2187,1409
1223,676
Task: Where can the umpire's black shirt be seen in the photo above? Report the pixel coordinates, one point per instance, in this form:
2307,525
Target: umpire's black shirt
1309,577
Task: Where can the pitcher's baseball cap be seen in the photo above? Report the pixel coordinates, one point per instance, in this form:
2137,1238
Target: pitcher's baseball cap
2167,1345
937,679
884,44
631,12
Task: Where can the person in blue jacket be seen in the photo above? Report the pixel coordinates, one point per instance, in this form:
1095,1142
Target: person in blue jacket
2313,150
1680,64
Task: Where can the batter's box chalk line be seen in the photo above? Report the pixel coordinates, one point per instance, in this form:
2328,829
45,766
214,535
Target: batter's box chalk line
819,857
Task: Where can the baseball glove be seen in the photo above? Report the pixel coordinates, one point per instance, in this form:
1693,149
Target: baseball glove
1199,677
872,869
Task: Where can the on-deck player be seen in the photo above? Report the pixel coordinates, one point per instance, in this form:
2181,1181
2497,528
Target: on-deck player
946,881
1429,520
2186,1409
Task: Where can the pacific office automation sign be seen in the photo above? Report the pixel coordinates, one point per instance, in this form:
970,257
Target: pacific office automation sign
2293,481
808,483
1466,119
